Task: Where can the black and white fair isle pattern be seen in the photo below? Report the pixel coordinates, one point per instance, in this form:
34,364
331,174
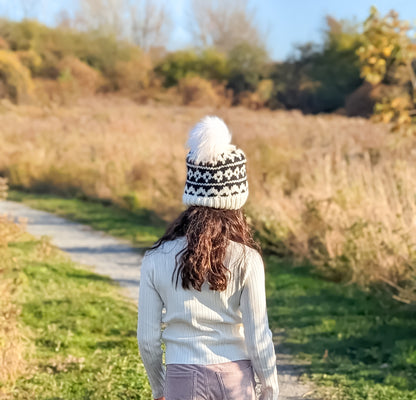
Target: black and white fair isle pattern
227,177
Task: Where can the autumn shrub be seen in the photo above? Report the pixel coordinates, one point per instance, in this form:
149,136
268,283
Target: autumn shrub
134,75
15,81
21,35
259,98
197,91
30,37
265,90
387,56
369,98
248,99
3,44
103,52
31,60
83,78
54,45
75,79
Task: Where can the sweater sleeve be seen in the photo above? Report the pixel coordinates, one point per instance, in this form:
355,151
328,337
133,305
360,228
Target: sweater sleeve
149,329
258,336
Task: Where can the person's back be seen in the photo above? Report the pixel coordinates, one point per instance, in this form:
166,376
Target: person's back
204,282
204,326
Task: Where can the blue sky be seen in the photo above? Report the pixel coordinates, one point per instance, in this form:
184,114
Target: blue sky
289,22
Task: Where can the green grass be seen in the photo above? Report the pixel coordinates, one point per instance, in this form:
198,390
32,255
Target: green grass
358,345
141,228
81,330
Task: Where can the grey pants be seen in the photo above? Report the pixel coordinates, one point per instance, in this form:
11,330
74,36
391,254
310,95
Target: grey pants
232,380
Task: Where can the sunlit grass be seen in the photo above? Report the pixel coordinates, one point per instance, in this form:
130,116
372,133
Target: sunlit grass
359,345
79,332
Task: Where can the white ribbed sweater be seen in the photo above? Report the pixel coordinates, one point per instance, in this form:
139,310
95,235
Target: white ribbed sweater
206,327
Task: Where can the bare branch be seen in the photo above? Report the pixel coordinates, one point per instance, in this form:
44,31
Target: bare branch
63,19
149,23
145,22
107,16
224,24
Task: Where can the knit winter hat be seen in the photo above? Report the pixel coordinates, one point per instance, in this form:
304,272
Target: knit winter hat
216,169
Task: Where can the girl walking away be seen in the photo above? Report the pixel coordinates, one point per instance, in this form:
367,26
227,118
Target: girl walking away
204,281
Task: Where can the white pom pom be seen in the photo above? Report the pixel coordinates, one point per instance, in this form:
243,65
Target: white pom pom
208,139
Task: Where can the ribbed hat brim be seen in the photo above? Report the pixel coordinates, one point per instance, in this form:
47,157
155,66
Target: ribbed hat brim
233,202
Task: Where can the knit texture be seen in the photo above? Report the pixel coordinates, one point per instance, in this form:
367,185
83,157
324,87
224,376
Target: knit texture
206,327
216,169
219,185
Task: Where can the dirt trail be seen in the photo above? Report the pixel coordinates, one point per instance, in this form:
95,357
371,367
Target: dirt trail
118,260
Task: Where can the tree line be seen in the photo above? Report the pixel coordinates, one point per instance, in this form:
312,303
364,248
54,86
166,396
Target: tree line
357,69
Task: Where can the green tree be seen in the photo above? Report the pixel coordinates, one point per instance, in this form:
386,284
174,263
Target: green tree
336,67
248,65
319,77
209,64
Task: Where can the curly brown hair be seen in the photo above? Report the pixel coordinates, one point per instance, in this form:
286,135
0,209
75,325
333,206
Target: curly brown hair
208,231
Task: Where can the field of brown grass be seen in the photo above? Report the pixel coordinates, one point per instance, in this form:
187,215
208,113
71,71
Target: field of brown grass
13,346
338,191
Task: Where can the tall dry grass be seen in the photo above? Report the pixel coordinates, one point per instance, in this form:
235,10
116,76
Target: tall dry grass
3,188
12,345
337,191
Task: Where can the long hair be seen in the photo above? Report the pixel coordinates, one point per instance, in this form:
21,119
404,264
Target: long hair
208,232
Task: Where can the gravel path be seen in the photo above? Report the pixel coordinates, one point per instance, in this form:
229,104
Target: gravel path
118,260
108,255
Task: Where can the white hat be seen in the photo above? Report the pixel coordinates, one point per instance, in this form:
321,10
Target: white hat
216,169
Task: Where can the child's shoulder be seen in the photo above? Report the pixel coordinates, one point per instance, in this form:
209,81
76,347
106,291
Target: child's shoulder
166,248
240,248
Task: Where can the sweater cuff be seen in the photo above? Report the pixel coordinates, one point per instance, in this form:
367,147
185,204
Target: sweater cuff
158,393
